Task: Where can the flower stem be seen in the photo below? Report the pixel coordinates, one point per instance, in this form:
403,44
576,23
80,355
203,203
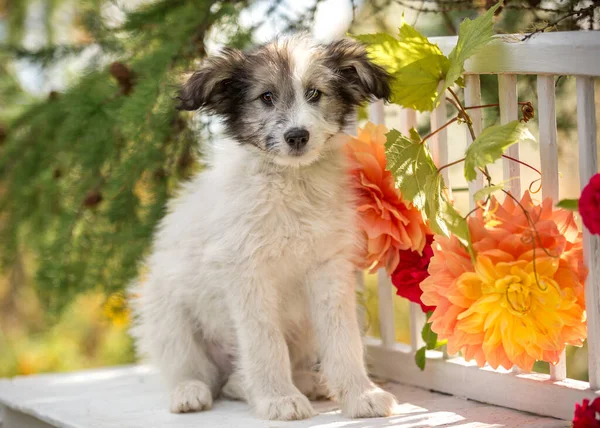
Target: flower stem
482,106
450,164
521,103
522,163
465,115
439,129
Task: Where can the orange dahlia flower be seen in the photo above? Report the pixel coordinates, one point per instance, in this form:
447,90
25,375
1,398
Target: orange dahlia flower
522,300
389,223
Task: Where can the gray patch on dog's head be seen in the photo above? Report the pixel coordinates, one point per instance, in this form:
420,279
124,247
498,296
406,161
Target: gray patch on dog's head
209,87
233,85
363,80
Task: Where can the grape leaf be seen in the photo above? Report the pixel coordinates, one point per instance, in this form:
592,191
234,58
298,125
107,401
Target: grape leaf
429,336
420,358
491,144
472,37
420,183
443,217
410,162
569,204
386,51
416,85
416,64
486,191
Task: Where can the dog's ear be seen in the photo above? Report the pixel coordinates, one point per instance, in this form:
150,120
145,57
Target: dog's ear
349,59
209,87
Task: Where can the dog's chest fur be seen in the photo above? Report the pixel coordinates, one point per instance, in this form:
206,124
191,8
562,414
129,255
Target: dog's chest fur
283,219
243,218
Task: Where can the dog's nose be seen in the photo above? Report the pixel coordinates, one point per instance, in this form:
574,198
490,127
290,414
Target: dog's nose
296,137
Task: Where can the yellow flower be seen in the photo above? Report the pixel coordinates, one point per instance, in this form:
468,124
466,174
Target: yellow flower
117,310
521,318
522,299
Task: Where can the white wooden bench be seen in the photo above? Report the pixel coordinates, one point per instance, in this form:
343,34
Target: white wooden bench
132,396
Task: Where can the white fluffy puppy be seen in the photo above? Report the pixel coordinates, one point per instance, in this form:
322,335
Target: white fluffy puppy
251,284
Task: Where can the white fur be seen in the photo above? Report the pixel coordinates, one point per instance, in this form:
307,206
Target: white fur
251,284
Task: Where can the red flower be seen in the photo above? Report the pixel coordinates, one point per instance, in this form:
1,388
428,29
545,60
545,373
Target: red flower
589,205
411,271
586,415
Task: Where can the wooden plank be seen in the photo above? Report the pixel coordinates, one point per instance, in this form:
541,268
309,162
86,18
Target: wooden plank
16,419
439,142
385,300
417,321
376,113
509,111
546,112
533,392
385,294
588,166
549,164
111,398
579,53
408,120
473,98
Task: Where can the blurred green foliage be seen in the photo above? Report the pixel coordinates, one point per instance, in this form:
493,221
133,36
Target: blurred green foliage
85,172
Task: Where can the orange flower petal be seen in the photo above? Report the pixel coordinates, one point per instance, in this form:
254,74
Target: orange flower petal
390,223
522,300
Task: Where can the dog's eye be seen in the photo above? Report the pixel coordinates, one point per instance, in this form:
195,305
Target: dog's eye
313,95
267,98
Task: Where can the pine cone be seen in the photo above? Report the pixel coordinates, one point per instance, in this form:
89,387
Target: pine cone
160,174
123,75
185,160
92,199
179,124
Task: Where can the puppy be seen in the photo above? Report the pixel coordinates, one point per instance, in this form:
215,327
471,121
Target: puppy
251,281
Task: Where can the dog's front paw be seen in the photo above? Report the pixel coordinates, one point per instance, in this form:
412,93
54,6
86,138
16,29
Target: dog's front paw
191,396
372,403
286,408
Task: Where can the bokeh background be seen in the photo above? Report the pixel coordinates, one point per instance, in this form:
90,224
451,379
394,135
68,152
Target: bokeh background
91,146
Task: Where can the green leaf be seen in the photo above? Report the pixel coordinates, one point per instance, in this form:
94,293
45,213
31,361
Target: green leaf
416,64
420,358
491,144
443,217
569,204
420,183
411,164
362,113
482,194
415,86
472,37
429,336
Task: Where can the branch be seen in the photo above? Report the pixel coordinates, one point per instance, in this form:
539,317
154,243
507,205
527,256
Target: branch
439,129
577,14
465,115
